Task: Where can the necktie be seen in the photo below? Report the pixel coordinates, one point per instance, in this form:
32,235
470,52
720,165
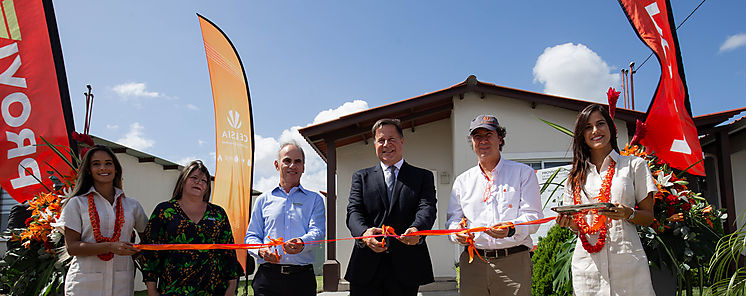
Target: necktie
390,180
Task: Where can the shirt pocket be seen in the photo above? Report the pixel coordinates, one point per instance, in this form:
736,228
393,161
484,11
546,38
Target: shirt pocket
80,283
623,191
124,282
508,202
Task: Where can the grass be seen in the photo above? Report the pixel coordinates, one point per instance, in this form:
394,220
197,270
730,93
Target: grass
241,284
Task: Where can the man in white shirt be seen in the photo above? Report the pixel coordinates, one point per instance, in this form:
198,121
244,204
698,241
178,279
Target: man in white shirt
495,192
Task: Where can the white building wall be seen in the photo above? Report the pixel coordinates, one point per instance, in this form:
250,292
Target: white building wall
427,147
149,184
442,147
527,138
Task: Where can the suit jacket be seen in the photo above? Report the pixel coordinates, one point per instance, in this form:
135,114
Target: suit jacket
412,205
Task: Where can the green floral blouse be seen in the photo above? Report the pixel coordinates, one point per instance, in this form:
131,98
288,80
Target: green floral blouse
182,272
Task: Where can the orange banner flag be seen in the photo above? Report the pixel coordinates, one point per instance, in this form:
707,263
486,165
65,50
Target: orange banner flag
233,131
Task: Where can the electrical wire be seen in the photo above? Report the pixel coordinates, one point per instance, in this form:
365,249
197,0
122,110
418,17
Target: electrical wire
677,28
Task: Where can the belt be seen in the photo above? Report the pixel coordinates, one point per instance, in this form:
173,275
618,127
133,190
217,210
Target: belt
287,268
496,253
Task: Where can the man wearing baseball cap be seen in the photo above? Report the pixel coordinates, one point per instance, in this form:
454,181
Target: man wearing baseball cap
496,192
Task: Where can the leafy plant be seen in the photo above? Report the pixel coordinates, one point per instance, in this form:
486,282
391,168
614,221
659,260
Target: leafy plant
545,261
685,229
39,264
726,265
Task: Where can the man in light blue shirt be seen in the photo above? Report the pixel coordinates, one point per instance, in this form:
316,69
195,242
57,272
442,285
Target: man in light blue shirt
295,214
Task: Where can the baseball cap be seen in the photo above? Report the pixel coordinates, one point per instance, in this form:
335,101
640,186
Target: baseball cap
484,121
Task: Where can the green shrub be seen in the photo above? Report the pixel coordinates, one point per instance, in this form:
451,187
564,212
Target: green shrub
544,261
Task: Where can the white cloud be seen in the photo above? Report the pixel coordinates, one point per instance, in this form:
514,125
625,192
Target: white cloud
112,126
575,71
200,142
314,177
134,89
733,42
192,107
186,160
135,138
346,108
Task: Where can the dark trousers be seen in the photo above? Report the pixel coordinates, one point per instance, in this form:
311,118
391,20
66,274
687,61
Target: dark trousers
271,280
384,283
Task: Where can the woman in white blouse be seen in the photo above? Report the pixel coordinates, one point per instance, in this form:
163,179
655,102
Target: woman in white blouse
609,258
99,221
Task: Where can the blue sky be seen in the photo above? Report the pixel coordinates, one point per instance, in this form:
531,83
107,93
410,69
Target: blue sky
307,61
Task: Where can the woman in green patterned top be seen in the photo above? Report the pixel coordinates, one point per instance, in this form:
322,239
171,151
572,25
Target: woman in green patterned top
189,218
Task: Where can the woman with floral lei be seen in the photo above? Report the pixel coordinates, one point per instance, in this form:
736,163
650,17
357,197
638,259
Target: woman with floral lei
99,221
609,258
190,218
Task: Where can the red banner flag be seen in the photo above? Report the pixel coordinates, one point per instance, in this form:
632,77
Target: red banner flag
233,131
35,100
671,132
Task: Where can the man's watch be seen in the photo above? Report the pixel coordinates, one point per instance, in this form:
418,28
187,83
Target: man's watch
631,216
511,231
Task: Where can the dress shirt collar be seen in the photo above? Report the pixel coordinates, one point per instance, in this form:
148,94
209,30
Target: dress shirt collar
613,155
298,188
398,165
495,170
117,192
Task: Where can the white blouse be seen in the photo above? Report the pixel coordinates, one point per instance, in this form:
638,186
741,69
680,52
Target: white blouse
621,267
89,275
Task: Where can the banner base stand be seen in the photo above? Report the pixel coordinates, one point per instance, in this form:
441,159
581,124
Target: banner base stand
331,275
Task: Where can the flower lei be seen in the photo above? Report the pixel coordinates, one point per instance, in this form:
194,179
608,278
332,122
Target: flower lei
599,221
96,224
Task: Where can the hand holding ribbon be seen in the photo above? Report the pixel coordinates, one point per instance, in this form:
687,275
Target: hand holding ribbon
408,239
369,238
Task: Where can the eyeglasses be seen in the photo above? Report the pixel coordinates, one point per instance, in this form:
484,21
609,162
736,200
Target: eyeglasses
197,180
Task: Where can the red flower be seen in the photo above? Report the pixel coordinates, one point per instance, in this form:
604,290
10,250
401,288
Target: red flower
670,198
28,221
612,95
686,206
641,129
83,138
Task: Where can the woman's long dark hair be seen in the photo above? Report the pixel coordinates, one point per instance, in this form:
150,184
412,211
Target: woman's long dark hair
580,150
84,181
194,165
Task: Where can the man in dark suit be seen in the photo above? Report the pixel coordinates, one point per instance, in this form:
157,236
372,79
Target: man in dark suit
397,194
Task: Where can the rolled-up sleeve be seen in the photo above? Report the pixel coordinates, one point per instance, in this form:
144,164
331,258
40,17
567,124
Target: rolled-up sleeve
644,182
70,217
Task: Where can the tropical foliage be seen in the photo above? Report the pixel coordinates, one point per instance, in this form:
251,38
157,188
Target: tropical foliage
727,270
545,262
39,262
686,229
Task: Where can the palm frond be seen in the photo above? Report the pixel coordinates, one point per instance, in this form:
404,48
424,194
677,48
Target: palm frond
58,152
563,262
558,127
37,179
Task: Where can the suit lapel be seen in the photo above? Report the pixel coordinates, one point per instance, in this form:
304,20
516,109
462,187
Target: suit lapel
381,185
